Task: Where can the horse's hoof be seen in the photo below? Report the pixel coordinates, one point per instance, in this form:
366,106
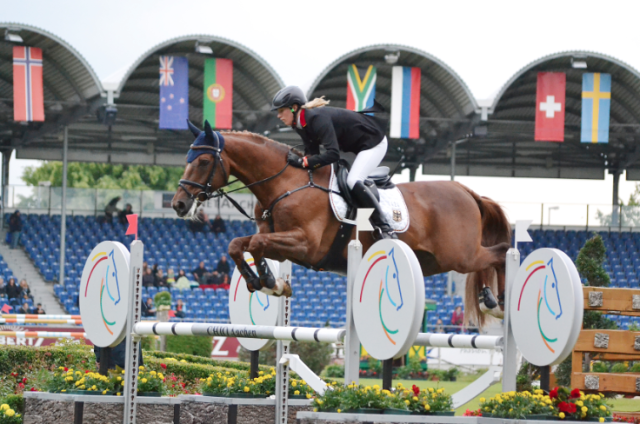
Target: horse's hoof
267,281
487,298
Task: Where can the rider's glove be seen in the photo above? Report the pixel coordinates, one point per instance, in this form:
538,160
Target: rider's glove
295,160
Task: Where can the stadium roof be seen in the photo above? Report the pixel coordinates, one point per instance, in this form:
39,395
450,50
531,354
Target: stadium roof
135,138
509,149
447,106
71,88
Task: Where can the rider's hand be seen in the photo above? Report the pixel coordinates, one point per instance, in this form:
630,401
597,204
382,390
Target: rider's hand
295,160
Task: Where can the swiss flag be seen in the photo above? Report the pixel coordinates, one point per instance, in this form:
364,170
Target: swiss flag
550,105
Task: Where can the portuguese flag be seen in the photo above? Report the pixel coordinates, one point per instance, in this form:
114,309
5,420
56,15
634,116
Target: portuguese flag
218,93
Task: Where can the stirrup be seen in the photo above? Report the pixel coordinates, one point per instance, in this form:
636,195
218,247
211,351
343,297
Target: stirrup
379,234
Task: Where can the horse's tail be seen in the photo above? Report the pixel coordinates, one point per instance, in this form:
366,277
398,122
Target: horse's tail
496,231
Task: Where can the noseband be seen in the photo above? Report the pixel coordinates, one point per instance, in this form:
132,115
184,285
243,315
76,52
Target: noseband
206,191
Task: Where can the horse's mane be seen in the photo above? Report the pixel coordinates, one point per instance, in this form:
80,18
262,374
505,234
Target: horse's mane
259,138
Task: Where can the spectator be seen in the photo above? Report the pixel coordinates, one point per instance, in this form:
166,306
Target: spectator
144,267
13,291
180,309
200,222
171,277
215,278
148,279
24,297
182,282
3,287
457,318
200,274
147,308
24,289
122,216
218,226
24,309
39,310
439,326
223,266
15,228
161,280
110,209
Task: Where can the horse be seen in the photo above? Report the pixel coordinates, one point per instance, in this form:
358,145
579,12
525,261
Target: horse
451,227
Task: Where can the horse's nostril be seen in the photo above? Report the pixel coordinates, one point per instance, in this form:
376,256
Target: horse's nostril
179,206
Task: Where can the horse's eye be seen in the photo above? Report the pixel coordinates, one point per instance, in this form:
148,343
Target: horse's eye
204,163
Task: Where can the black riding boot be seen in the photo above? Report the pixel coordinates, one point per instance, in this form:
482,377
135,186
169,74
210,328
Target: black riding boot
365,199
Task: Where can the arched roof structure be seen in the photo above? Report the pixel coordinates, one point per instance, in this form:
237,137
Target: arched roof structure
447,106
135,138
71,88
509,148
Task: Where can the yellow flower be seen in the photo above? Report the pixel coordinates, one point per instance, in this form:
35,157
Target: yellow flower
308,395
579,403
246,389
339,410
601,419
294,384
182,360
585,409
4,407
144,380
415,398
122,371
407,402
152,373
104,392
319,401
376,387
260,372
118,394
141,367
482,400
297,392
315,409
9,412
561,415
440,390
430,389
427,407
604,408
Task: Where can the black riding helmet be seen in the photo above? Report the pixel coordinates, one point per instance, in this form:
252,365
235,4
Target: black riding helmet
287,97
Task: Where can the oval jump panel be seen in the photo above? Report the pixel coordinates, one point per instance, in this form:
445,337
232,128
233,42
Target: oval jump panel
104,293
252,308
388,302
546,307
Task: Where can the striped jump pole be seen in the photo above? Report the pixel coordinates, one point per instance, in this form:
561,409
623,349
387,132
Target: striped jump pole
39,321
459,341
303,334
36,316
44,334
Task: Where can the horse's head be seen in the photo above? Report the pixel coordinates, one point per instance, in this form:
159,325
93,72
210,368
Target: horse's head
204,174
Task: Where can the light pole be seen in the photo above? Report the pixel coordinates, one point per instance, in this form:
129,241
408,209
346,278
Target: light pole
551,208
453,156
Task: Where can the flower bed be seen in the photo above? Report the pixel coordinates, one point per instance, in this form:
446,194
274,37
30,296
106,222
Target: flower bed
560,403
228,384
367,399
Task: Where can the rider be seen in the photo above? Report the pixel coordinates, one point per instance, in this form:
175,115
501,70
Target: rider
336,129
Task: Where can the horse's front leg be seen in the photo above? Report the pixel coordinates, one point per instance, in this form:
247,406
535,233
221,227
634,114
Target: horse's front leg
237,247
281,245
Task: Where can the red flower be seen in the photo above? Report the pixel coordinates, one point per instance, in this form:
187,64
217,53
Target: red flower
575,393
416,390
567,407
24,380
33,389
66,369
553,394
164,366
86,371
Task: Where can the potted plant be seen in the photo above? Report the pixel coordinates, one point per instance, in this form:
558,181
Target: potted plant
150,383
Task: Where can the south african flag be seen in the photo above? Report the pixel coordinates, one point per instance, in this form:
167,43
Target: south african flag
360,90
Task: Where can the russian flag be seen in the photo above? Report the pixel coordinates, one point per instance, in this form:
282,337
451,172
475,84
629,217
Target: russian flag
405,102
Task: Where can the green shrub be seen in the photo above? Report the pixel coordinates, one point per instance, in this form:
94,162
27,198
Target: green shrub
240,366
193,345
563,372
162,298
635,367
374,365
451,374
334,371
590,260
619,367
600,366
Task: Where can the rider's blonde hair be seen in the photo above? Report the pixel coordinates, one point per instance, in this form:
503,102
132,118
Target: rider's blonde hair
317,102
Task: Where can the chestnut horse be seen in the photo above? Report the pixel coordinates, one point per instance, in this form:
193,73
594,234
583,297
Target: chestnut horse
451,227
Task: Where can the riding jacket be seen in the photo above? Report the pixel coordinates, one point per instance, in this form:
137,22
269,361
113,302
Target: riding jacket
336,129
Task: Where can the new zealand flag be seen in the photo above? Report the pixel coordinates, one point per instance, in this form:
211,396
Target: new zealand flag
174,92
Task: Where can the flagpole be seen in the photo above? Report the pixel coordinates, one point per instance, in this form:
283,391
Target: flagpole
63,214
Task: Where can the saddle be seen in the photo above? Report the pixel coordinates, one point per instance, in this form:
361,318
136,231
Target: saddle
378,180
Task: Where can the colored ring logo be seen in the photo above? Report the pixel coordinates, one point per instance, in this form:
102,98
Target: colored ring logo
106,282
265,305
215,93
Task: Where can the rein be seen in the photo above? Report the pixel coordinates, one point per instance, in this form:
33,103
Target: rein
207,192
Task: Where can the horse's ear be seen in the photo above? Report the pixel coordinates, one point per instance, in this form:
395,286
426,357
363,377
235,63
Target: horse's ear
194,130
207,129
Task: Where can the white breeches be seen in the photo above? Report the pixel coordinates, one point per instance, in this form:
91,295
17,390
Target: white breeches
366,162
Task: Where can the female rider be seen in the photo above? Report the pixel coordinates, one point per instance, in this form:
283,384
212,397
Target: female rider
336,129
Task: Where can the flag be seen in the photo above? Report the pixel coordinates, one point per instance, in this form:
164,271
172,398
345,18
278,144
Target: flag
28,94
171,314
405,102
218,93
550,106
360,91
133,225
596,105
174,92
6,308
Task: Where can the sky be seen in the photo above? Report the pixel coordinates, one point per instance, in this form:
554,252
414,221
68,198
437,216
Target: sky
484,42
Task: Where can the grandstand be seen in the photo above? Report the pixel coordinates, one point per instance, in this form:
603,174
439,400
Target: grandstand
319,298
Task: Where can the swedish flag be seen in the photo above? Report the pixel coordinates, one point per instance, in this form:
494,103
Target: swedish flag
596,108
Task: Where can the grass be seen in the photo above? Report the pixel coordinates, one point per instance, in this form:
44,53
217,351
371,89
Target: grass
451,387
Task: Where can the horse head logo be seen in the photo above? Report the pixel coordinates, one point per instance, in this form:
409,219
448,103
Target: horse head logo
112,271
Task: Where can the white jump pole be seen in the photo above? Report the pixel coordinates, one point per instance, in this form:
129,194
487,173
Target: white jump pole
510,350
352,341
285,334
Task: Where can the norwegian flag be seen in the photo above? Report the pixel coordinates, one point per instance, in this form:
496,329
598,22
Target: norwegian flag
550,106
166,70
28,93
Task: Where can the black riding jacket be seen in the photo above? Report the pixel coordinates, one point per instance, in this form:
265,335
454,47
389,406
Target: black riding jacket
336,129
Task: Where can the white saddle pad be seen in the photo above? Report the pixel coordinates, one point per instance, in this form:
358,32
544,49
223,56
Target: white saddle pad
393,206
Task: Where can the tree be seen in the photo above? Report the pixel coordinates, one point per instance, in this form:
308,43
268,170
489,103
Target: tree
629,213
106,176
590,260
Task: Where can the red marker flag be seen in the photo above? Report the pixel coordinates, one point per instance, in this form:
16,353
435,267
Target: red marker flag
550,106
133,225
6,308
171,314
